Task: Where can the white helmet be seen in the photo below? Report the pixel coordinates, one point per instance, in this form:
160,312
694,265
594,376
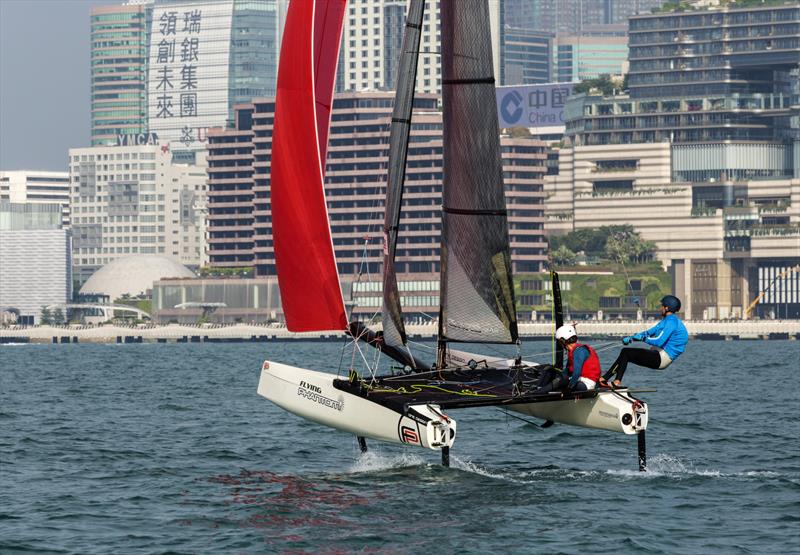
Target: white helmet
566,332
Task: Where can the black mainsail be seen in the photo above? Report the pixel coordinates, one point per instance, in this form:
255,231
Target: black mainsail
394,333
477,291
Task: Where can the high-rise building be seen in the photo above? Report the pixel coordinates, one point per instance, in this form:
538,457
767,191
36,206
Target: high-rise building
36,187
596,50
706,76
135,200
119,43
372,36
702,156
35,259
239,217
572,16
172,69
526,56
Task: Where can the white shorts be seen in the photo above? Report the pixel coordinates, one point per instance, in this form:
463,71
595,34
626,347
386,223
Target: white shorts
665,360
590,384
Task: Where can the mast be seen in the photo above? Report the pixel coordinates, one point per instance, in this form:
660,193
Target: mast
477,291
558,319
394,332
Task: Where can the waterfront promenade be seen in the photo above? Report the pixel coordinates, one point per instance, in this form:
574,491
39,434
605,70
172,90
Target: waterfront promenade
149,333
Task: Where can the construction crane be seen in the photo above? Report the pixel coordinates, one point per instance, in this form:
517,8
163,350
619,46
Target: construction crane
760,296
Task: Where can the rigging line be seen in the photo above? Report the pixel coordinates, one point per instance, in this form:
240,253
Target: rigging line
423,345
508,413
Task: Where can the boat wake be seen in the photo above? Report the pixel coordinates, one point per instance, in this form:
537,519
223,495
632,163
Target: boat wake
664,465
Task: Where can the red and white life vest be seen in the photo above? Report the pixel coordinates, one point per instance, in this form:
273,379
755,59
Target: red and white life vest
591,367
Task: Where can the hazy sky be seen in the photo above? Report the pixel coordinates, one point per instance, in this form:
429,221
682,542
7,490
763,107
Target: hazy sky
44,81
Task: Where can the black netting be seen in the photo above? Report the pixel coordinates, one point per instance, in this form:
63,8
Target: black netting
477,286
393,328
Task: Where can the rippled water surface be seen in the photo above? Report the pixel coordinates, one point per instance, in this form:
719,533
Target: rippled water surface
167,448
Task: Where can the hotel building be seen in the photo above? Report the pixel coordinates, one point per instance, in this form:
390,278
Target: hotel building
134,199
239,217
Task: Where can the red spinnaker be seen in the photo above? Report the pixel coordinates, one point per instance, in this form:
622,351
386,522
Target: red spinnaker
309,283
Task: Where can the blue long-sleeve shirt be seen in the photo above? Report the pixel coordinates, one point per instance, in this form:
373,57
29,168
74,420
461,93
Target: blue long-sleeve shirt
669,334
580,356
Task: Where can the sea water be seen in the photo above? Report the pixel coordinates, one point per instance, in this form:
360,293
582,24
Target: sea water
167,448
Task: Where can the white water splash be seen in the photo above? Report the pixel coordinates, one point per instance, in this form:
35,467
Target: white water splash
373,461
668,466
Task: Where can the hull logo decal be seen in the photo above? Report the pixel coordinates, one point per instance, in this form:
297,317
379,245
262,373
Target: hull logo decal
314,394
408,435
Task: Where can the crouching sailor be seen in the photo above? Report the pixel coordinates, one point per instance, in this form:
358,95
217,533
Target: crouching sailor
668,339
583,366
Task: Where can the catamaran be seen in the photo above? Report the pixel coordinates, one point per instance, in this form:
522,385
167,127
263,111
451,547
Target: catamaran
477,305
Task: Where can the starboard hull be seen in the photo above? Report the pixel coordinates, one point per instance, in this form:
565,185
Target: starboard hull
612,410
615,411
313,396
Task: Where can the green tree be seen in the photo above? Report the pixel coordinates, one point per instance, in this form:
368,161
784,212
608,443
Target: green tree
625,245
563,256
46,317
58,317
604,84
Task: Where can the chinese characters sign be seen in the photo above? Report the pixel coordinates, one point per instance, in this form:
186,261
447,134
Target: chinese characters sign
189,61
532,105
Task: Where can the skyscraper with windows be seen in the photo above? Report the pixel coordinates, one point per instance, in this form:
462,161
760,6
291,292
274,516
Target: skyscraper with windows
119,69
372,36
176,68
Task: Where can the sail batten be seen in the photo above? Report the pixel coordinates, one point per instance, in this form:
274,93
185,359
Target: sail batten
307,275
477,292
393,328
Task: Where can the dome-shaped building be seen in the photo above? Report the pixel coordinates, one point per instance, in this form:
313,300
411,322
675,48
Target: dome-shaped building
133,275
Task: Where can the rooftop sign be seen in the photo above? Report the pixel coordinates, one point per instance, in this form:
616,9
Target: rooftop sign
532,105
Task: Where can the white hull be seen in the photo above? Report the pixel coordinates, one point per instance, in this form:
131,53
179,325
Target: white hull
612,411
312,395
615,411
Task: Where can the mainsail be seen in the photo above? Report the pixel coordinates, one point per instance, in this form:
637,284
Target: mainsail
394,332
477,290
309,282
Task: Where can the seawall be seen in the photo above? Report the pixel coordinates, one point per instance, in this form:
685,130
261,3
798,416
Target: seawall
721,330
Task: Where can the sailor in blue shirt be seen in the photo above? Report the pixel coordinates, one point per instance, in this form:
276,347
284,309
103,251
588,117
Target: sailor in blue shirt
668,340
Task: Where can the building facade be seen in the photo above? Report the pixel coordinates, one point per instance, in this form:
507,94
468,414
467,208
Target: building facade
119,44
372,38
175,68
597,50
572,16
526,56
35,259
36,187
135,200
701,156
239,219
